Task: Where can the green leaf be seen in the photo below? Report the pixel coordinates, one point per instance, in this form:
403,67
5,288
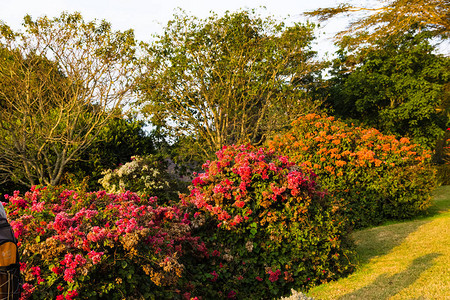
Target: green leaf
124,264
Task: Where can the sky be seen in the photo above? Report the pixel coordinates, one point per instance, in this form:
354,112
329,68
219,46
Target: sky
148,17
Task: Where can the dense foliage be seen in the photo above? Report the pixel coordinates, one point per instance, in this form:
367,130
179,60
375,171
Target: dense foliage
443,170
375,176
399,88
121,138
61,80
267,224
253,225
98,245
447,147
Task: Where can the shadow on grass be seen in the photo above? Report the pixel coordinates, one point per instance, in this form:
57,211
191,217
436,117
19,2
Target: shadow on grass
441,201
386,286
379,241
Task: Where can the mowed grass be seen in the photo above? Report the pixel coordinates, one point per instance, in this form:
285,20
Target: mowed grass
408,260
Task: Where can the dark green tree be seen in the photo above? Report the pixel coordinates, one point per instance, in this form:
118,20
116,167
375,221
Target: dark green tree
115,144
399,88
230,79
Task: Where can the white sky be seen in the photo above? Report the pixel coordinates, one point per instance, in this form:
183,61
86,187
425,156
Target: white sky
148,17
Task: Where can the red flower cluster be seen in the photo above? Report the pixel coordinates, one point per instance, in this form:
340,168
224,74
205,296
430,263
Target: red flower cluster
273,276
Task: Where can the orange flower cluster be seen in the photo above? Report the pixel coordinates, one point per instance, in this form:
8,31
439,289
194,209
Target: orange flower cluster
331,142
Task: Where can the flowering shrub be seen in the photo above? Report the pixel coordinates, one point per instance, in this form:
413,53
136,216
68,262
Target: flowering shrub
267,225
143,175
376,176
99,245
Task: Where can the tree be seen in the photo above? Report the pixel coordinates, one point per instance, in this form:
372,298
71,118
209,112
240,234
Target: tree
61,80
393,17
115,144
231,79
398,88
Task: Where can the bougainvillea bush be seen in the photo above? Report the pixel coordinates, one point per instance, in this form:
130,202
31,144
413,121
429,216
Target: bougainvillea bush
100,246
267,225
375,176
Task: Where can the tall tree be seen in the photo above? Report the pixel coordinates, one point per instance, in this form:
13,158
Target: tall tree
389,18
400,88
61,80
230,79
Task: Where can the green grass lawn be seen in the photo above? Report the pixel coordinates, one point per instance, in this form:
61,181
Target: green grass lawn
408,260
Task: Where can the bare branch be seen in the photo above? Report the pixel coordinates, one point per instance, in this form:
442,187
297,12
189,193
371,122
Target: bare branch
391,18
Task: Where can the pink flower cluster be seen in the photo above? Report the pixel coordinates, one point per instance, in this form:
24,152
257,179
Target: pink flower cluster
36,271
71,263
69,296
236,172
298,181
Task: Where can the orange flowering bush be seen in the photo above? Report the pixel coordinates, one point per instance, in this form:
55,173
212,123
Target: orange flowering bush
267,225
374,176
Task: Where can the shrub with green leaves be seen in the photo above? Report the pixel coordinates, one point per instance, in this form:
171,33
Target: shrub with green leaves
267,225
443,171
146,175
376,177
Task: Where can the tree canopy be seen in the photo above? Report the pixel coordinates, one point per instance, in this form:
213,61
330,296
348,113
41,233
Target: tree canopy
229,79
400,88
61,80
115,144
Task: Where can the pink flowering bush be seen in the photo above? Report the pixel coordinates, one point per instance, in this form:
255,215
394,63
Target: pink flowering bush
267,225
98,245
